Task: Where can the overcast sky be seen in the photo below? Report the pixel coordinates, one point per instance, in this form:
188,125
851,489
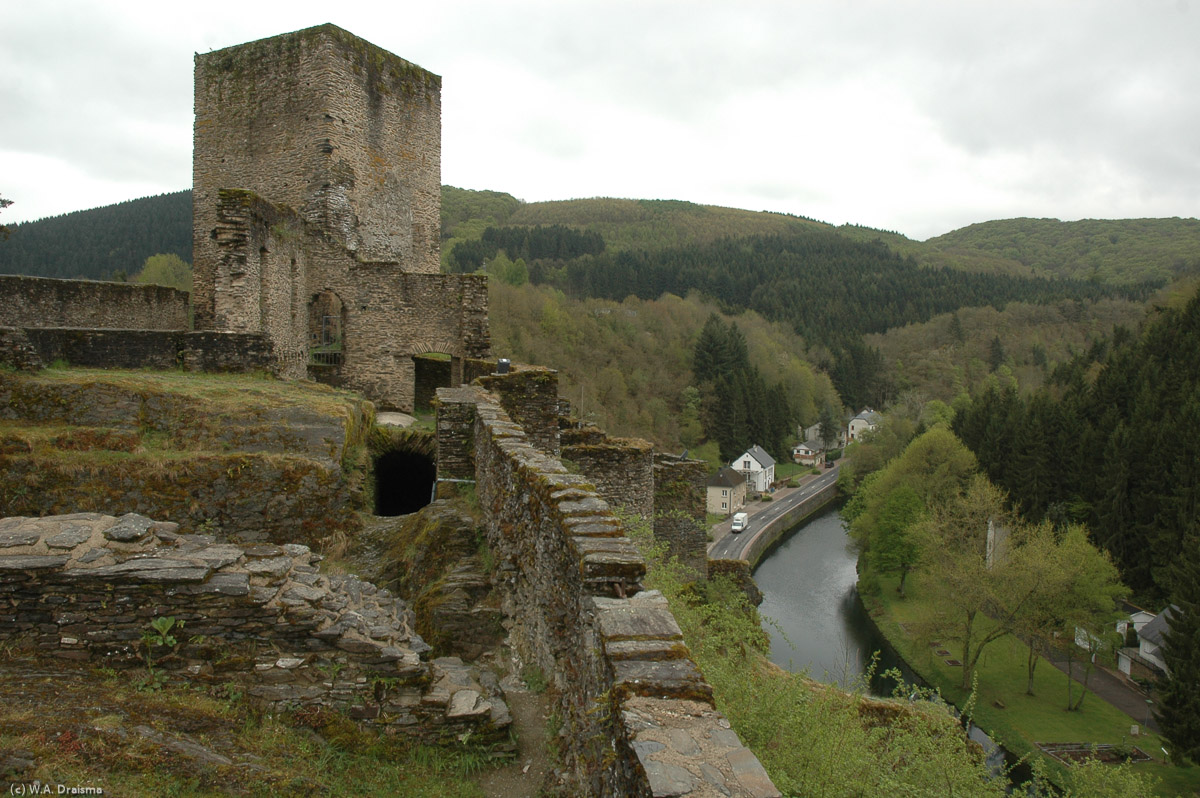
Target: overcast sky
918,117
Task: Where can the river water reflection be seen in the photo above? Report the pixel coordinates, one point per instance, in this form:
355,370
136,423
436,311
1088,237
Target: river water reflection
813,614
816,622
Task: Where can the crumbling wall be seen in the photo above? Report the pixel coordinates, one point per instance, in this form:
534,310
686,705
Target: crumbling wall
28,349
87,587
317,183
45,302
679,510
211,456
529,395
272,267
637,714
622,469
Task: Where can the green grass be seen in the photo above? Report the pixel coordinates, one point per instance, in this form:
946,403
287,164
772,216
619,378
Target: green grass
787,470
1001,678
78,729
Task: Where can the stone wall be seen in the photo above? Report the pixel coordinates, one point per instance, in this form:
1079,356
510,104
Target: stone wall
273,270
637,714
33,348
622,469
242,497
86,587
431,373
326,123
679,510
529,395
248,469
317,185
44,302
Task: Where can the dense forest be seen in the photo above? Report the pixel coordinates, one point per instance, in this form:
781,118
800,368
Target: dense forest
830,288
103,243
1102,250
1110,441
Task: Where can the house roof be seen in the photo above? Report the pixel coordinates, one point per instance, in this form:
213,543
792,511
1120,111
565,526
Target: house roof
868,415
726,478
758,453
810,446
1153,631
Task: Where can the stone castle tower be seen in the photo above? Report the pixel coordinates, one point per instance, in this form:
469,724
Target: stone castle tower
316,202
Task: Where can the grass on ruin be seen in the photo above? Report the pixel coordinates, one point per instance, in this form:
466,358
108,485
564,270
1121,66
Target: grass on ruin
87,729
1001,680
217,391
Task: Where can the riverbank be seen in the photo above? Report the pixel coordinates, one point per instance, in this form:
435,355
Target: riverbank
772,520
1013,719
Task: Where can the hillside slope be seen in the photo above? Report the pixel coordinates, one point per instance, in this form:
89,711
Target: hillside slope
1118,251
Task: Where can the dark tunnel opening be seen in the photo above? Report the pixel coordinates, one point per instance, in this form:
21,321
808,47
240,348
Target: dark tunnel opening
403,482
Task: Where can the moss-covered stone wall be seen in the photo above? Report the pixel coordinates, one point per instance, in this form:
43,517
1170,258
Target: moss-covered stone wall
679,510
45,302
622,470
637,714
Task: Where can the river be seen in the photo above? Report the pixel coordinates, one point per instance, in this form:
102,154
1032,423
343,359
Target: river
812,611
816,622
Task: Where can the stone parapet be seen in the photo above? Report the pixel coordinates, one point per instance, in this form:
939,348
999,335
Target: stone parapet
88,587
637,713
529,395
622,470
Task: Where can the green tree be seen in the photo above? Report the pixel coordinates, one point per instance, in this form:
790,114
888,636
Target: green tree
165,269
830,426
889,504
1179,704
996,353
892,547
1089,604
978,600
4,231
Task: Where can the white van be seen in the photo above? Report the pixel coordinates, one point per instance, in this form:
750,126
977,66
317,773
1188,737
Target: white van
740,522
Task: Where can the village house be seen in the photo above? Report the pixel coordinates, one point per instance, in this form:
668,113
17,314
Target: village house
1146,660
726,492
866,421
808,453
757,468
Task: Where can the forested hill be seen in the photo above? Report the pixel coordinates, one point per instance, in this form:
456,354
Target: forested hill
101,243
1121,251
1112,442
115,239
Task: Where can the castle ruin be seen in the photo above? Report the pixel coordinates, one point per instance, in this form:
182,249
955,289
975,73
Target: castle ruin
316,211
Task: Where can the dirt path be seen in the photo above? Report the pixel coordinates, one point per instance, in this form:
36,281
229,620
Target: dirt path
531,768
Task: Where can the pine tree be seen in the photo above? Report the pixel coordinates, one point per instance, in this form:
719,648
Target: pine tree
1179,702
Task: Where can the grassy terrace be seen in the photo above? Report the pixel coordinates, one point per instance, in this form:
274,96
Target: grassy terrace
1002,708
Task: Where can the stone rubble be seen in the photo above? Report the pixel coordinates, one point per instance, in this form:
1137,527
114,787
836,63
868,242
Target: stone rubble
87,586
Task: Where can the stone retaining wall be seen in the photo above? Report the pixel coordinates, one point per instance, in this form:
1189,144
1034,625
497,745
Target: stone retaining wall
87,586
637,714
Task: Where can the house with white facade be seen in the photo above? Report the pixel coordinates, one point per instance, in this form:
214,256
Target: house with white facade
1146,659
808,453
726,492
757,468
866,421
